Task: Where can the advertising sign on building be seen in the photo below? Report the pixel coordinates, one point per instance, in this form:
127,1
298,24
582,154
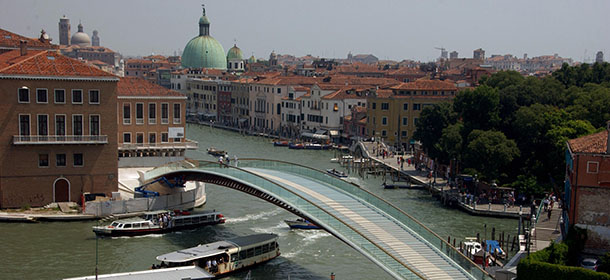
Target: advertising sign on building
176,132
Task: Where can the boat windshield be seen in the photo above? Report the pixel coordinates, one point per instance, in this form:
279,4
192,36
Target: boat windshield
114,224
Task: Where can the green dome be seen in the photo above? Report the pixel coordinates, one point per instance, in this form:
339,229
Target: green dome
252,59
234,53
204,52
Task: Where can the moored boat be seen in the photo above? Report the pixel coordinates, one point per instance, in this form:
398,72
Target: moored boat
301,224
223,257
296,146
159,222
280,143
313,146
215,152
336,173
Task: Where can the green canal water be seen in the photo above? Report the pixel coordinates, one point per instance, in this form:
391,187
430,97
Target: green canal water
60,250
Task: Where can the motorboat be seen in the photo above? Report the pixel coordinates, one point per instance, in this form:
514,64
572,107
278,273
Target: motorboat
223,257
215,152
301,224
493,247
336,173
159,222
313,146
471,246
297,146
280,143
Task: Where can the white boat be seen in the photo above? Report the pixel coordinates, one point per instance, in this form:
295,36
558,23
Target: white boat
471,246
149,223
230,255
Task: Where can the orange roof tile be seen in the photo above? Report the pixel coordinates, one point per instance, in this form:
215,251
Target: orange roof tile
426,85
46,63
131,86
590,144
11,40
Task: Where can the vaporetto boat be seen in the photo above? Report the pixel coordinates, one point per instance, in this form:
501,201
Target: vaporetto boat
222,257
159,222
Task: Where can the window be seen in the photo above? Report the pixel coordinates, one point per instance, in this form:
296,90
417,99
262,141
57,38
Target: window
60,160
94,96
139,138
24,125
94,124
385,106
405,121
126,113
416,107
152,138
384,120
165,113
60,124
279,90
335,107
404,133
164,137
60,96
177,113
405,106
23,95
43,125
77,124
374,105
152,113
78,159
384,133
126,137
42,95
77,96
43,160
592,167
139,113
415,121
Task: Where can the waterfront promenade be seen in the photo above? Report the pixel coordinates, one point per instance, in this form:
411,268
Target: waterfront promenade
440,187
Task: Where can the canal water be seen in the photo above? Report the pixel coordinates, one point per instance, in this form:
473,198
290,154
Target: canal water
59,250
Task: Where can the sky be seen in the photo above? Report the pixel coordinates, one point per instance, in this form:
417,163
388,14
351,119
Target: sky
389,29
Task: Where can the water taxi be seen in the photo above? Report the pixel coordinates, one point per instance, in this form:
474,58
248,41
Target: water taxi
215,152
336,173
223,257
301,224
280,143
159,222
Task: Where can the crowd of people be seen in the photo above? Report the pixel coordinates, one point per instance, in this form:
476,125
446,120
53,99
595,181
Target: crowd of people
164,219
211,265
225,160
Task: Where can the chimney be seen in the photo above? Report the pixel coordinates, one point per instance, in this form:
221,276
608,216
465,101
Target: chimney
608,140
23,47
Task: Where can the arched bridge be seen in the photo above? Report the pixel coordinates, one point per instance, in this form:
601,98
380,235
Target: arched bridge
389,237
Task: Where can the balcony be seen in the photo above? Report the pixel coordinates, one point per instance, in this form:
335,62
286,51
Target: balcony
186,145
59,139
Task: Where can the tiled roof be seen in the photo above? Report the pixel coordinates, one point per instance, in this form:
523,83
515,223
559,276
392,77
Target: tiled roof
11,40
426,85
590,144
131,86
46,63
347,93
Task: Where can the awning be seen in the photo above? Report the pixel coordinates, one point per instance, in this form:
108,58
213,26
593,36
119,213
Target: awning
314,135
334,133
242,120
320,131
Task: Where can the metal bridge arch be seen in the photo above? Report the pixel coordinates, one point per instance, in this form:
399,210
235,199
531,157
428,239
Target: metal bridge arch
249,179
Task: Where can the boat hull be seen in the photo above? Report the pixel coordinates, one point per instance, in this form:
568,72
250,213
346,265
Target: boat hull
300,225
336,173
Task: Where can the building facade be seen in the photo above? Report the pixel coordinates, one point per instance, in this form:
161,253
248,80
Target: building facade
392,114
587,188
59,131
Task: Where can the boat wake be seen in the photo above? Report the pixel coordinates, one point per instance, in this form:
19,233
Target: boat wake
309,237
281,229
139,236
249,217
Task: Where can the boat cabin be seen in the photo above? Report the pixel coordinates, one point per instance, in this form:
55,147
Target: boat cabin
131,224
225,256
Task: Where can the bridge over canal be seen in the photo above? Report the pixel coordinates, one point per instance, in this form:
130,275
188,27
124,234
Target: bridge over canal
386,235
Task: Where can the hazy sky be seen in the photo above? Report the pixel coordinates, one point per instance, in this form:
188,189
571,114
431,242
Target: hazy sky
331,28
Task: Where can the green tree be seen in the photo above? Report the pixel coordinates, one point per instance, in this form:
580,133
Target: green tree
502,79
478,108
489,152
451,141
430,125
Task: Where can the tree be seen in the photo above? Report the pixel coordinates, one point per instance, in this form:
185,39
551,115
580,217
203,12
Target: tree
489,152
430,125
502,79
451,141
478,108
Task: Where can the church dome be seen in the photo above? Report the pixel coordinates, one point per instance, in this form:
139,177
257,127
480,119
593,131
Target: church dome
234,53
204,51
80,38
252,59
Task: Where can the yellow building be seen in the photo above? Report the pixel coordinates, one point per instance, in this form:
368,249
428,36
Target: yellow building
392,113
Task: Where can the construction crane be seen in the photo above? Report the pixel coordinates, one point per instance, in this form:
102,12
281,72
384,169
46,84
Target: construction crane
443,52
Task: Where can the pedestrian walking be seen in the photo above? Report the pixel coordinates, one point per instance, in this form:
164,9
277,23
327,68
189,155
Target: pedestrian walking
549,213
235,158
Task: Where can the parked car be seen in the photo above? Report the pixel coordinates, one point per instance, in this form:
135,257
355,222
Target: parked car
589,263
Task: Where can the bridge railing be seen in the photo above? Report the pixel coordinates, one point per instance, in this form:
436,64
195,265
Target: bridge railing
414,225
318,215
